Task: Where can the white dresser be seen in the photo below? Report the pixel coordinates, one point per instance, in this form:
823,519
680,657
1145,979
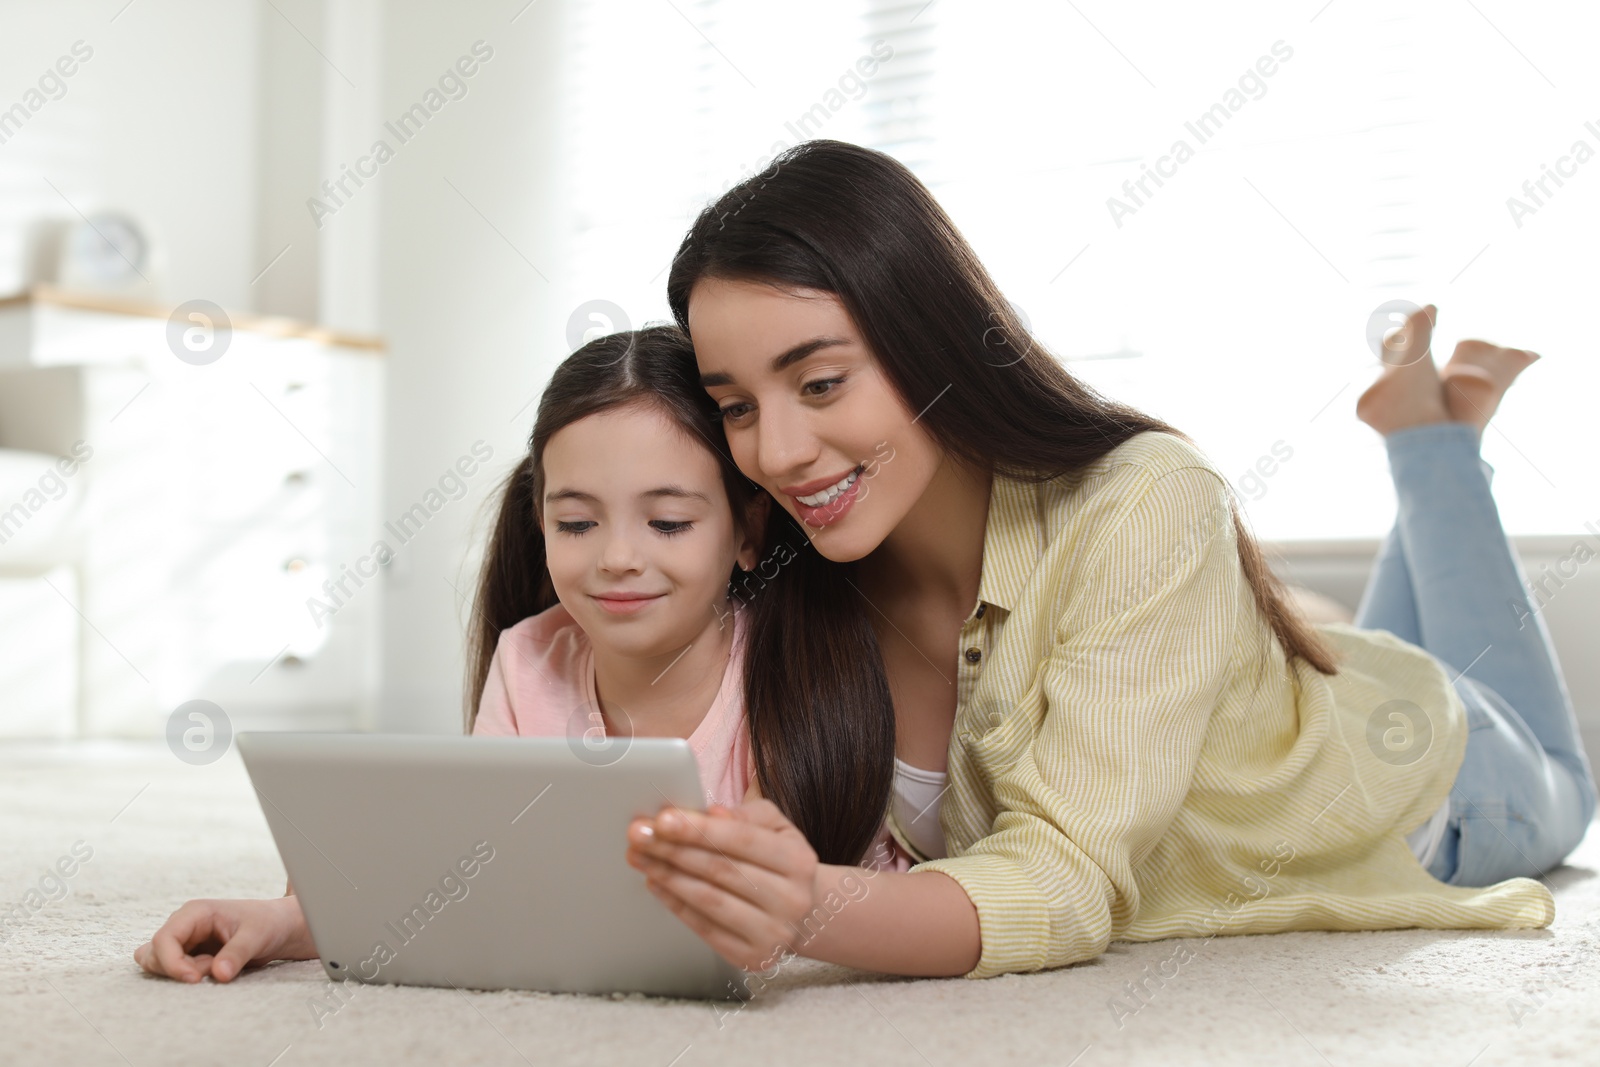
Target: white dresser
207,505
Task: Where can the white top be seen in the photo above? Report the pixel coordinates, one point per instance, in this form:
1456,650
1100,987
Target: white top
1424,840
919,793
917,797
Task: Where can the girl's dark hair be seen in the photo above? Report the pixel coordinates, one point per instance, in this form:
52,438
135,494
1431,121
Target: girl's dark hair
853,222
653,366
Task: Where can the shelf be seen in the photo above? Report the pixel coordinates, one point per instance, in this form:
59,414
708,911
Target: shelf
50,327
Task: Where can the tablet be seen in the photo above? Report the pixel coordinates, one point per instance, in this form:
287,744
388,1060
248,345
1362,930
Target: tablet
482,862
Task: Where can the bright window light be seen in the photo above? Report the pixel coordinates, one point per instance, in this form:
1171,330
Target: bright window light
1336,158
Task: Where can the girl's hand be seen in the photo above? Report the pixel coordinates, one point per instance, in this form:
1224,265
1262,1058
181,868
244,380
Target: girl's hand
220,937
742,878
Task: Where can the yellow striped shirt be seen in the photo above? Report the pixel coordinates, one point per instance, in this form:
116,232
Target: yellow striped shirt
1134,759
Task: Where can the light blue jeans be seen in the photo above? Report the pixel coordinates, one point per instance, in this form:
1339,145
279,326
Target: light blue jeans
1447,580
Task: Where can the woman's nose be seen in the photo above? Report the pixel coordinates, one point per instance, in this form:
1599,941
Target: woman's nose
786,446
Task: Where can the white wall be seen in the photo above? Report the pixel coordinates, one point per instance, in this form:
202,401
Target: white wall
159,121
289,124
466,210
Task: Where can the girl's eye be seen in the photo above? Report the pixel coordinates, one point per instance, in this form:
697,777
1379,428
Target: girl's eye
830,382
669,527
733,412
574,527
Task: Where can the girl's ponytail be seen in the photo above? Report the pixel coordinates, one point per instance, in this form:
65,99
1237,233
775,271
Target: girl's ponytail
513,583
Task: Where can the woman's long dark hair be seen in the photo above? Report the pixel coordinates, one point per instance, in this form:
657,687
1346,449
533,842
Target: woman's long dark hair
653,366
847,220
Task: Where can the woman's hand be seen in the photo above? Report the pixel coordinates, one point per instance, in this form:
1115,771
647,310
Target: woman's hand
221,937
742,878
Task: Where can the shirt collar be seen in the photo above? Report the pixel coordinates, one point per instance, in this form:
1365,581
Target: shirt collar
1013,541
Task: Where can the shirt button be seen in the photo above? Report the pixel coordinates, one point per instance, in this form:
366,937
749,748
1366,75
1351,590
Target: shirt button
974,654
980,610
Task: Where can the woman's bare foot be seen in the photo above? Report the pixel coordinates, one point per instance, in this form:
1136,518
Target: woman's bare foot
1409,392
1477,376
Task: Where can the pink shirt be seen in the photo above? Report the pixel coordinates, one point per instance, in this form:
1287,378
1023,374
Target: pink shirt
541,684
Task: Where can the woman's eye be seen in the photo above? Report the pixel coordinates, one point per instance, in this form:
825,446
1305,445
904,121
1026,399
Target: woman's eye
733,412
829,382
669,527
574,527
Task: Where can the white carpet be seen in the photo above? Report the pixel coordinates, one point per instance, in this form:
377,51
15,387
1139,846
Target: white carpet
70,992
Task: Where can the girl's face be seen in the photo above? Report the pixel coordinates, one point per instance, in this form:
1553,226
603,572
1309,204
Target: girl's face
808,414
639,535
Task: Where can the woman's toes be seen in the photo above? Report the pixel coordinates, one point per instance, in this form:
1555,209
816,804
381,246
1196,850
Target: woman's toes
1477,377
1502,365
1412,342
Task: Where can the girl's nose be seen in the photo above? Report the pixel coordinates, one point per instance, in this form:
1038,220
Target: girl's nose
620,556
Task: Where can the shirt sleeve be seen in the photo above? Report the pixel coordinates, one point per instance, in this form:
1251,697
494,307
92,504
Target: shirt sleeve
495,718
1141,652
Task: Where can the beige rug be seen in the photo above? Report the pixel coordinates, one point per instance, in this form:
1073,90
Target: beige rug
162,832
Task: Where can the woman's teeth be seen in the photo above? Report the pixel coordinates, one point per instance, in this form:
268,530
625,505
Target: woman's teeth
830,494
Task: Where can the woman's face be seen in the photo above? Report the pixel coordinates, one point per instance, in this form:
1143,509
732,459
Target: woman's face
639,535
808,412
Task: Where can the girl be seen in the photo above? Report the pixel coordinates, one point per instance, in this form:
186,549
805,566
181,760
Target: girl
603,607
603,604
1137,737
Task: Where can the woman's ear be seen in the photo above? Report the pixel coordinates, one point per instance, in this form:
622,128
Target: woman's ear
754,530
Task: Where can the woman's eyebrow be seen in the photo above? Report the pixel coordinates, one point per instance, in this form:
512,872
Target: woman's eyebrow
781,362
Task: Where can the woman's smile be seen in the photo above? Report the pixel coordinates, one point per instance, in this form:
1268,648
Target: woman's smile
828,505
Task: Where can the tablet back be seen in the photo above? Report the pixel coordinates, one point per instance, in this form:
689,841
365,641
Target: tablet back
481,862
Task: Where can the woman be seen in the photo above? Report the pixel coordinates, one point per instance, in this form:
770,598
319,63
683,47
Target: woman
1051,598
